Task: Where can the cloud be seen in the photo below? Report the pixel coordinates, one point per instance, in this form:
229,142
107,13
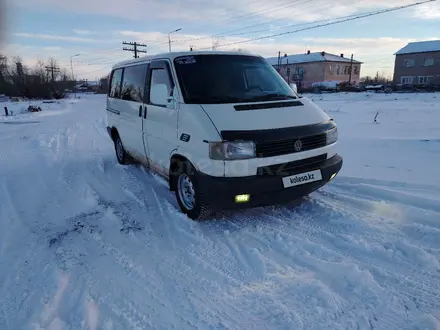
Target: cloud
428,11
52,49
55,37
313,10
138,9
375,53
221,13
83,32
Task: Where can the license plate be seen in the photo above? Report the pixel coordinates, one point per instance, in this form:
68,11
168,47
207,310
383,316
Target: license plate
302,178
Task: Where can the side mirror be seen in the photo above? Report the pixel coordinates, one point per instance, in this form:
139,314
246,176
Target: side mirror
294,87
159,94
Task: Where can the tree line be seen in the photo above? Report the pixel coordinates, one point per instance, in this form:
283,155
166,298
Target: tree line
43,80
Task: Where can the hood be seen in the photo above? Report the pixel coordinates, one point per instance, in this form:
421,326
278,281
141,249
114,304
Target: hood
265,115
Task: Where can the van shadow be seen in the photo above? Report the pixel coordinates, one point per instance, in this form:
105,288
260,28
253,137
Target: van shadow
252,219
279,216
236,220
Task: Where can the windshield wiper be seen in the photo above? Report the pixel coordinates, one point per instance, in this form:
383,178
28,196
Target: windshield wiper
271,96
217,99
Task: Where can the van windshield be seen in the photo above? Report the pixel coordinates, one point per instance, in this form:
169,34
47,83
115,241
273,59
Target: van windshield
216,79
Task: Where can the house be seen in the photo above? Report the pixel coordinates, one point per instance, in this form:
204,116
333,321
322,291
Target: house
418,63
88,86
317,68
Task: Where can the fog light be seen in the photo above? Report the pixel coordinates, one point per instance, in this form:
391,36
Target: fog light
332,177
242,198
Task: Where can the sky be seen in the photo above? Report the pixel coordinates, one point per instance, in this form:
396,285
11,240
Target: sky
95,29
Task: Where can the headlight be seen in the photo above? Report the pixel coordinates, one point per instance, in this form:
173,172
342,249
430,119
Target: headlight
332,135
231,150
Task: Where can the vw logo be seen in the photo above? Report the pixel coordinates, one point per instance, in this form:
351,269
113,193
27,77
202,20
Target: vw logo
298,145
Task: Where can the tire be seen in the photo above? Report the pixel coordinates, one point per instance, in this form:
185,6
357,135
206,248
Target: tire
121,154
186,188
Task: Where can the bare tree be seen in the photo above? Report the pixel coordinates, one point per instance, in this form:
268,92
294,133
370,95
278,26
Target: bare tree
52,69
40,71
215,43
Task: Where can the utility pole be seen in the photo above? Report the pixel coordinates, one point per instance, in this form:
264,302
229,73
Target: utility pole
73,75
279,61
134,49
169,38
351,69
52,70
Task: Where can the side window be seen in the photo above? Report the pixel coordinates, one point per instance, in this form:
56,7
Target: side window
133,83
161,87
115,84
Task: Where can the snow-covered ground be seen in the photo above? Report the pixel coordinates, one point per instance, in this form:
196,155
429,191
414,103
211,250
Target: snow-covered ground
88,244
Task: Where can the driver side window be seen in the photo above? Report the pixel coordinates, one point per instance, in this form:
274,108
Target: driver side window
257,77
161,87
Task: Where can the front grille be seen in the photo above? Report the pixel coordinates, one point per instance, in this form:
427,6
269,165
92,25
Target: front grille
284,147
296,166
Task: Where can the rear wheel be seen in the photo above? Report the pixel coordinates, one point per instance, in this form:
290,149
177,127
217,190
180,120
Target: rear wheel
188,195
121,154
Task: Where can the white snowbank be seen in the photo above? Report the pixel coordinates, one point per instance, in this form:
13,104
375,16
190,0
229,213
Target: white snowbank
88,244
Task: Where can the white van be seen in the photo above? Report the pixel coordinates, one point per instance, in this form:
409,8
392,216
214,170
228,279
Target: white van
223,128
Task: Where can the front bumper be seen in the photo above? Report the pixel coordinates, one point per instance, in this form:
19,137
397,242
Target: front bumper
264,190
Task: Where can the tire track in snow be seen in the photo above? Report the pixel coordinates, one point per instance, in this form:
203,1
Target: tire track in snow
72,252
119,260
323,232
333,262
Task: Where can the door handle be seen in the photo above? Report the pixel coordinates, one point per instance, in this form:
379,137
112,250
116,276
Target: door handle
140,111
145,112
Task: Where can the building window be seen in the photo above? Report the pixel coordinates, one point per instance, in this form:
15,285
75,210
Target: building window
338,70
409,63
356,70
406,80
330,69
428,61
423,80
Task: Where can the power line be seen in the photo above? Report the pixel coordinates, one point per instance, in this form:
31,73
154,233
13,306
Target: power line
230,34
290,4
242,17
338,20
326,24
135,49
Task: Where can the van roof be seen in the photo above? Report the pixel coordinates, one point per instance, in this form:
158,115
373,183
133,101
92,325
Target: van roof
172,55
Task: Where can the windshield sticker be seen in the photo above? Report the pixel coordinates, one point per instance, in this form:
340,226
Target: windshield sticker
186,60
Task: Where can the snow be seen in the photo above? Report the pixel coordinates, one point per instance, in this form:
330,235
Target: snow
307,58
420,47
88,244
327,84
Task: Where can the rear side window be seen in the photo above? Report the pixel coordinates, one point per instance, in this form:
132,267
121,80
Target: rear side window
133,84
115,84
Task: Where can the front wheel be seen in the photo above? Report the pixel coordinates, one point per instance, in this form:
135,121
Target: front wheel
188,194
